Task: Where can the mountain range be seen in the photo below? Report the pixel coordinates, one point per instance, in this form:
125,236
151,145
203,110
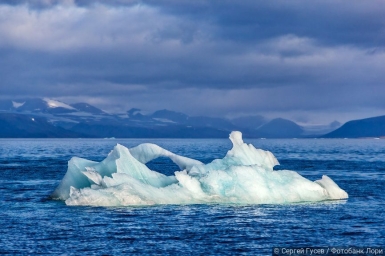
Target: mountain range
43,117
363,128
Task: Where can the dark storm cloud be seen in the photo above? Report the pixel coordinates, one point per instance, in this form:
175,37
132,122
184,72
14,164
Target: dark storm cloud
330,22
197,56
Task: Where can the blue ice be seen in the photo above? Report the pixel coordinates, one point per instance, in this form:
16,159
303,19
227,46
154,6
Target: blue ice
244,176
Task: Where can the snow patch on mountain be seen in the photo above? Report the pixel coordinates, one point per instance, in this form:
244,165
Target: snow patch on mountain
17,104
164,120
57,104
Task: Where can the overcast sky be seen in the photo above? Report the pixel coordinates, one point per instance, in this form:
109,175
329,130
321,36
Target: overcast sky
309,61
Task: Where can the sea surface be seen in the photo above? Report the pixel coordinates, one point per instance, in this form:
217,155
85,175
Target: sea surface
31,223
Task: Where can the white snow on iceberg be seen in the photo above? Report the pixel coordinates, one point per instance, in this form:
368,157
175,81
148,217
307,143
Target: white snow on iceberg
244,176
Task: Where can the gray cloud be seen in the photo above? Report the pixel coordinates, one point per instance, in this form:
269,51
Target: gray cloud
201,57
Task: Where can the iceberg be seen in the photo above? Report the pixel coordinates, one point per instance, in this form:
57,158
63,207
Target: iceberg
244,176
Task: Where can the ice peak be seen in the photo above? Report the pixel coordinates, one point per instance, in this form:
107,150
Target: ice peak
236,138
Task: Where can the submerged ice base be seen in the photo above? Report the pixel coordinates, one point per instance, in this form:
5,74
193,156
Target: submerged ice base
245,176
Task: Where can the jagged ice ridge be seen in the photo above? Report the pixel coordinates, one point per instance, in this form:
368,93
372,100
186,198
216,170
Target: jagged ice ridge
244,176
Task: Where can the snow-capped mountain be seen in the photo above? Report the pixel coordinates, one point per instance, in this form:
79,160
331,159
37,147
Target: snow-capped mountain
85,120
53,110
37,105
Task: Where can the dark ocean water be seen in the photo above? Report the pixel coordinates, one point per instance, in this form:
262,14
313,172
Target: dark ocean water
31,223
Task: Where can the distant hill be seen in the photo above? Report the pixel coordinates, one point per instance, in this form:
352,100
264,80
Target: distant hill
53,118
249,122
23,126
368,127
169,115
213,122
87,108
44,118
280,128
